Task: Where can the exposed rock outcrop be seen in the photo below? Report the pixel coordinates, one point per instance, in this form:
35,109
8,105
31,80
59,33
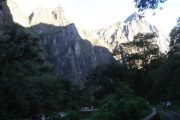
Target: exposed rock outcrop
75,51
73,56
44,15
125,32
18,15
5,15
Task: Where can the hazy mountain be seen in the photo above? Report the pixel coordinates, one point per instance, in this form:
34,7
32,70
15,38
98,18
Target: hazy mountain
44,15
75,51
124,32
18,15
72,55
5,15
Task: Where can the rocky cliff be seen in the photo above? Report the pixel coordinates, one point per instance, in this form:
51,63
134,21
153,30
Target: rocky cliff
5,15
74,51
18,15
123,32
43,15
72,55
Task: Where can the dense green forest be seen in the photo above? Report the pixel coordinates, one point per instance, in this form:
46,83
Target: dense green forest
28,86
153,76
119,91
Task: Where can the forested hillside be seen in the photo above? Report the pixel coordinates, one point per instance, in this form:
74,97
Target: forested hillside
129,88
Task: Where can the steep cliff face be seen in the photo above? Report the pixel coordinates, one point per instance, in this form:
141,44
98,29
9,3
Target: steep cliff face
72,55
18,15
5,15
74,51
44,15
134,24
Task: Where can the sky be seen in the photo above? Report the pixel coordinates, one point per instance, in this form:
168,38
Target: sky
95,14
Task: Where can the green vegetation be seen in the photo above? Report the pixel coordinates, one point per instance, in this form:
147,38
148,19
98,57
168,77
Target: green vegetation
68,116
2,0
146,51
157,117
148,4
28,86
175,39
152,75
102,81
72,116
122,106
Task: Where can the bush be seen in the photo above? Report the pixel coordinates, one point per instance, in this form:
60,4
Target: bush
72,116
122,106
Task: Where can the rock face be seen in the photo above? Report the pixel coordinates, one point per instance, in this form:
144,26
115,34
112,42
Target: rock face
124,32
18,15
74,51
43,15
72,55
5,15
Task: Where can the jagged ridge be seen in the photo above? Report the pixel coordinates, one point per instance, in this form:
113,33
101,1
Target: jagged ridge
74,51
124,32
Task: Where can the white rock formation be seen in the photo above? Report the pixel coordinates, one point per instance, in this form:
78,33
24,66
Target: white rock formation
18,15
134,24
44,15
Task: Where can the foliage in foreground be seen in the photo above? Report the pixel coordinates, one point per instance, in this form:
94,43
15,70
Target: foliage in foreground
148,4
72,115
28,86
122,106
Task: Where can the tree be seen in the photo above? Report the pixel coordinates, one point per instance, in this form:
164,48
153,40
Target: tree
148,4
104,80
28,86
123,105
141,51
175,34
72,116
138,56
165,80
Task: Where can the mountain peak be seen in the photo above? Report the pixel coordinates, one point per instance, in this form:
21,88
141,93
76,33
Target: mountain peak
59,8
18,15
58,12
134,17
5,15
125,32
54,17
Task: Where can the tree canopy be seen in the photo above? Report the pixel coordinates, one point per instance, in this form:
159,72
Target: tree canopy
28,86
175,34
148,4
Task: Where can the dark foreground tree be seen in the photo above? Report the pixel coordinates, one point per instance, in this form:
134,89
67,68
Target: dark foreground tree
122,106
165,78
141,51
104,80
175,34
148,4
28,86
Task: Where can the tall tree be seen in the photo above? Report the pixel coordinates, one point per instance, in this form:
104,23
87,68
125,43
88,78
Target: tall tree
141,50
27,84
148,4
175,34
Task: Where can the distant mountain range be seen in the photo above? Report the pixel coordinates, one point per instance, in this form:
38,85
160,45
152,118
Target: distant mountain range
75,51
123,32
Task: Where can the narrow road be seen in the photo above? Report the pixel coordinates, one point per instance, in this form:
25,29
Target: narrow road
169,115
